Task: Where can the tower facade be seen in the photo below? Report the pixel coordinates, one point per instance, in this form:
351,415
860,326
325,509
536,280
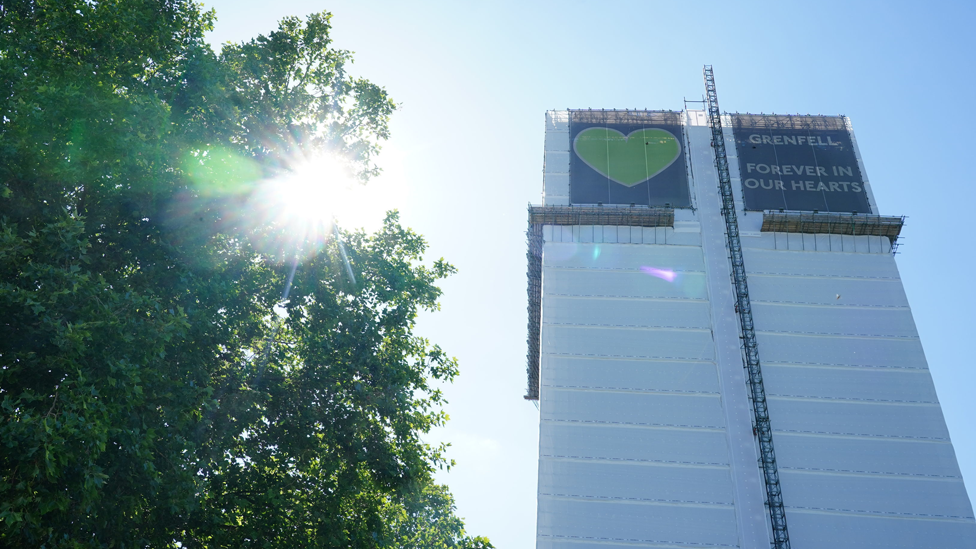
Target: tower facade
727,366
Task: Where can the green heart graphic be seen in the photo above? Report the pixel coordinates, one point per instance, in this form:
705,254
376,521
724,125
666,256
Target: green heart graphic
630,159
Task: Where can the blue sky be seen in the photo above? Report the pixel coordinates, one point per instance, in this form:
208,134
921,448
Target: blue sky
474,81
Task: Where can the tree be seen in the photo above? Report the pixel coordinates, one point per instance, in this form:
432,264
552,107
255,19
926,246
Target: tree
150,395
425,519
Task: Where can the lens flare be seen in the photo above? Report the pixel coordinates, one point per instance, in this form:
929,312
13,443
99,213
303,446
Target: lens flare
663,274
310,191
286,212
301,204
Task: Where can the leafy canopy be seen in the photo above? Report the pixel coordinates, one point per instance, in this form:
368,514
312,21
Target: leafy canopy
150,394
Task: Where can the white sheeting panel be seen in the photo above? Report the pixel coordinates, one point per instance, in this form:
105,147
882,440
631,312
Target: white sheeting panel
796,242
846,321
656,409
553,199
827,291
601,234
819,264
868,187
834,243
877,456
922,421
691,526
557,161
557,185
557,140
553,543
858,433
842,351
938,498
635,375
627,313
626,481
872,384
751,513
814,530
594,256
700,119
628,343
629,284
638,444
676,238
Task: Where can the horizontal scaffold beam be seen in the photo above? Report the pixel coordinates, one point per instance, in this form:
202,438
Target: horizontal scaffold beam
832,223
634,216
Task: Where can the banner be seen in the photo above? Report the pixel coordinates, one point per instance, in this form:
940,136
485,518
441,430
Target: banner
802,163
627,157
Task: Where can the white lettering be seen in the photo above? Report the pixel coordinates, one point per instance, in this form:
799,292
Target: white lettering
795,169
805,140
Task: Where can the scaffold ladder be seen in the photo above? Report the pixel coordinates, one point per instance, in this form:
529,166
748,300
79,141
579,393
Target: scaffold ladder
774,495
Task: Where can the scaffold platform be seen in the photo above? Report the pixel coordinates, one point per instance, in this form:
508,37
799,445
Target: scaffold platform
832,223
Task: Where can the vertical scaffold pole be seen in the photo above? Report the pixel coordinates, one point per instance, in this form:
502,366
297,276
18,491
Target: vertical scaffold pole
774,495
533,258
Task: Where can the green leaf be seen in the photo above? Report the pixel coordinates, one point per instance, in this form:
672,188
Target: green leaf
151,394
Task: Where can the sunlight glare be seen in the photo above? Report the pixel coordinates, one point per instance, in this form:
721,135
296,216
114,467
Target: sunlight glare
304,201
313,191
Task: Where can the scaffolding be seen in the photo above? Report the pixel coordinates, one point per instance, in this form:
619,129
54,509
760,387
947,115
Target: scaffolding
622,216
789,122
833,223
539,216
602,116
534,274
774,495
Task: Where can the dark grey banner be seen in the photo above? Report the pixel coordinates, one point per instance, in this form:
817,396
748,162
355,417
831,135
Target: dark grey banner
627,157
798,163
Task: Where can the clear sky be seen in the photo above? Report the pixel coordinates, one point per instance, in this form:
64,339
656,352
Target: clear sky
474,81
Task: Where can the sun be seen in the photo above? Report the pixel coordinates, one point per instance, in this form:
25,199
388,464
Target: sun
306,201
299,205
313,191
